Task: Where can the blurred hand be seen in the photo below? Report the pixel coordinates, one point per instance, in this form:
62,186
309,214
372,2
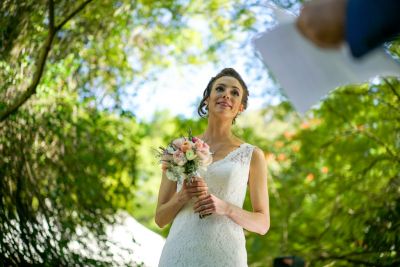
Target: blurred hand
323,22
196,188
209,204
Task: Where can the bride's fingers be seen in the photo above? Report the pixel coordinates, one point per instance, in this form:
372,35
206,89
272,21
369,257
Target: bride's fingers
200,189
206,212
203,199
197,194
203,208
197,188
197,183
202,203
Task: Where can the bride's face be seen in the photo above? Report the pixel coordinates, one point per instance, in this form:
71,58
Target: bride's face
226,97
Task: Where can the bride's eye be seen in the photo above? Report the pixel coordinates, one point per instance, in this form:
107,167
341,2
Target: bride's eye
219,89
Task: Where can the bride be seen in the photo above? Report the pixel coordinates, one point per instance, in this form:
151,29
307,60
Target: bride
217,239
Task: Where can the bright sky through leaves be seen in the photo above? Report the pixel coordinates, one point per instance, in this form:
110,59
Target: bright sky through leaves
179,88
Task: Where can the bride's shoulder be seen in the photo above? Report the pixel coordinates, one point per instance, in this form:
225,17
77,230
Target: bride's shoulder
256,151
258,155
240,142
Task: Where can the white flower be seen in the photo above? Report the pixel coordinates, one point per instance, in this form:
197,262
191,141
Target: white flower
170,150
171,176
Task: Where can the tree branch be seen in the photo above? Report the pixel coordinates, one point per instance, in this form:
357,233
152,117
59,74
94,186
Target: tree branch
373,163
51,16
364,132
41,61
380,142
72,14
392,88
331,217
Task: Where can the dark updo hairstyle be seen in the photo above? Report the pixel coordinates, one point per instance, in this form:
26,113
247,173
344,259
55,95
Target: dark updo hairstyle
202,109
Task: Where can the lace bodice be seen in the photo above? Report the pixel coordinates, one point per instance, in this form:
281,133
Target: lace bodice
214,240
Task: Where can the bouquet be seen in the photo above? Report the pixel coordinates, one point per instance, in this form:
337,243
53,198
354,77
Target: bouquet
183,157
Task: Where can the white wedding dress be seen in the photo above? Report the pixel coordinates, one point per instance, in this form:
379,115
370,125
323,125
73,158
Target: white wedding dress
214,241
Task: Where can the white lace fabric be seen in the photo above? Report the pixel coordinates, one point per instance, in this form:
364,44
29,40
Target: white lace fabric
214,240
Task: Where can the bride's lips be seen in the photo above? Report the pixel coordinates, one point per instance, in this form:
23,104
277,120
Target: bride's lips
224,104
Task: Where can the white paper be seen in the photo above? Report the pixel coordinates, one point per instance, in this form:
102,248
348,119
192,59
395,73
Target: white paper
307,73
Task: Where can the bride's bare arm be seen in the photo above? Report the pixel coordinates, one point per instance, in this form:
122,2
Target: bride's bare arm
258,220
170,202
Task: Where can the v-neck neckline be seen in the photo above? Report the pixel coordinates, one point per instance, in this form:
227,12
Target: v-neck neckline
227,155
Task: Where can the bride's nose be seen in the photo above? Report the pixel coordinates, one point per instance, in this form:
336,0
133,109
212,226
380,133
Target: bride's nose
225,95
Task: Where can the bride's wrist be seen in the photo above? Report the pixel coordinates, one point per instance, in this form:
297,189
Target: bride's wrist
179,199
228,209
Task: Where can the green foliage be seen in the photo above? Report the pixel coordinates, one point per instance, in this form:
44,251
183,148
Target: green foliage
63,166
334,182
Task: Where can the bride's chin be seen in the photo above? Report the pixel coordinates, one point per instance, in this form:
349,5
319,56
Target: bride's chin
222,115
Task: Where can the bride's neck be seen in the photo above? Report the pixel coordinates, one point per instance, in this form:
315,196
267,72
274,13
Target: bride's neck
218,132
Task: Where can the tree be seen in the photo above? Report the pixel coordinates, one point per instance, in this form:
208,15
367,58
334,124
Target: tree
335,177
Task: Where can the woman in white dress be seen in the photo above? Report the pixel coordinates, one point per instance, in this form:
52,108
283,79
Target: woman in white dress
217,239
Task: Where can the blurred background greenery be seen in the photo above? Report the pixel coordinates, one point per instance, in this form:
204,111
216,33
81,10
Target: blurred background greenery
72,154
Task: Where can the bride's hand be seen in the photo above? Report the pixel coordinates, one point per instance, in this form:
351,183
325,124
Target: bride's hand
196,188
208,204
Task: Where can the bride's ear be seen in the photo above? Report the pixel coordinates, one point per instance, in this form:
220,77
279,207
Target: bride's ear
241,108
206,102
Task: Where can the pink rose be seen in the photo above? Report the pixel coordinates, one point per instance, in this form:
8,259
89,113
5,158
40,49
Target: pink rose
198,144
204,156
205,146
178,142
195,139
179,158
166,157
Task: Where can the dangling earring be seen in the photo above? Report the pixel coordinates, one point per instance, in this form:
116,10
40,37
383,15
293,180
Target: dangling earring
237,114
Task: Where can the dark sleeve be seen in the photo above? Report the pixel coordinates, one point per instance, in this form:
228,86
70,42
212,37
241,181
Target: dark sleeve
369,23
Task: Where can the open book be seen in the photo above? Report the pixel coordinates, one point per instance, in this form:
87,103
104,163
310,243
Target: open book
306,72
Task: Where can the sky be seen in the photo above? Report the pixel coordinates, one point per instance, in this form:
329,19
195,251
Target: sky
179,89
